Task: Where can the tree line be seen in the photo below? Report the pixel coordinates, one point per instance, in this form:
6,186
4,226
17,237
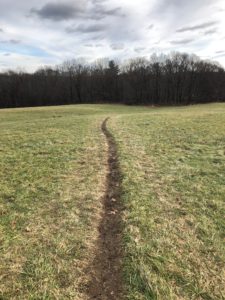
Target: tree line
174,79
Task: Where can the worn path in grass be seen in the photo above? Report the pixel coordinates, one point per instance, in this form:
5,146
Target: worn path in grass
60,213
106,268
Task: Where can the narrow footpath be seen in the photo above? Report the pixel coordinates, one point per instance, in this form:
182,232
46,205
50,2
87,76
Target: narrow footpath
106,269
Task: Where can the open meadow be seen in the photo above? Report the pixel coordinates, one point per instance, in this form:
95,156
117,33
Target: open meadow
167,202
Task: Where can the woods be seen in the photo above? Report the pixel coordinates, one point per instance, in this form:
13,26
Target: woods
174,79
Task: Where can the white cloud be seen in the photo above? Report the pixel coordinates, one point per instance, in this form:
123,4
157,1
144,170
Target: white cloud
48,32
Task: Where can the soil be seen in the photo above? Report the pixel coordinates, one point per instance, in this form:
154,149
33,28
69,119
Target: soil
106,269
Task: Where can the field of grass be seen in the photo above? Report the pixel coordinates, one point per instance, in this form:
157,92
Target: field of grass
173,162
53,164
51,178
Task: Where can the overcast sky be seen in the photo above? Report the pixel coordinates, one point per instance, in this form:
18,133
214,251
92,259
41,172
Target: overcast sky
41,32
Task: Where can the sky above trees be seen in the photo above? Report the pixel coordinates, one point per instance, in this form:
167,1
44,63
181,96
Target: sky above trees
43,32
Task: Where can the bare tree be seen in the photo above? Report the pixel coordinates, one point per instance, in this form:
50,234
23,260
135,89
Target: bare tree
174,79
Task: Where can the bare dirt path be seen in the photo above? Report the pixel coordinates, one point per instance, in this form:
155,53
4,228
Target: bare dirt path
106,269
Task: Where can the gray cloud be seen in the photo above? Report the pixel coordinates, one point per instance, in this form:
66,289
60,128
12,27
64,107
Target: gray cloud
98,1
139,49
151,26
99,12
117,46
96,45
210,31
199,26
59,11
188,6
7,54
113,12
97,37
66,11
99,45
11,41
82,26
86,28
182,42
3,64
220,55
89,45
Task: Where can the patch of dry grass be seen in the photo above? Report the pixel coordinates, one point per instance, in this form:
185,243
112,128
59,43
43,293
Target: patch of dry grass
52,176
173,161
52,179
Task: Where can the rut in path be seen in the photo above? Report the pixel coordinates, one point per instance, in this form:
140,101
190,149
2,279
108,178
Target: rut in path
106,269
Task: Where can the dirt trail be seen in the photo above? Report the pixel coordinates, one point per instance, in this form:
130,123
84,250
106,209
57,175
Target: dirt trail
106,268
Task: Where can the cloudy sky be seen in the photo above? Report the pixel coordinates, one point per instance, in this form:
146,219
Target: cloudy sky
46,32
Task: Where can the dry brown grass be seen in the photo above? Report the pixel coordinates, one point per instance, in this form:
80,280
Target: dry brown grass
50,241
173,161
53,164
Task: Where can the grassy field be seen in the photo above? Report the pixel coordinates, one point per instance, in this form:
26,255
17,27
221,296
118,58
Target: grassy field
53,164
51,179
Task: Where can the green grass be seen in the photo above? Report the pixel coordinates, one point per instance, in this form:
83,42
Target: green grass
51,179
173,165
52,175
